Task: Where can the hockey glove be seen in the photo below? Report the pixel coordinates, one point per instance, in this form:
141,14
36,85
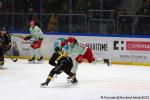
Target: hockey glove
26,38
63,44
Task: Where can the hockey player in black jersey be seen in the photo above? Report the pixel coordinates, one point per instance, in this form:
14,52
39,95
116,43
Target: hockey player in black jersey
61,63
5,44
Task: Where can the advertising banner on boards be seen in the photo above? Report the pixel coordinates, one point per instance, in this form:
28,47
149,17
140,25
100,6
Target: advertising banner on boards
118,49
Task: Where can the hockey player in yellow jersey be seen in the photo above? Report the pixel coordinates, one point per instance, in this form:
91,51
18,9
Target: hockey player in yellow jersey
61,63
5,44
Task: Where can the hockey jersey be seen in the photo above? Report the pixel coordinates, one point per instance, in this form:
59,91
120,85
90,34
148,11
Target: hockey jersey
76,49
5,39
36,33
56,57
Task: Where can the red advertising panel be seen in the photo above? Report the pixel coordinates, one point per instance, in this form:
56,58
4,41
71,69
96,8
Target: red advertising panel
138,46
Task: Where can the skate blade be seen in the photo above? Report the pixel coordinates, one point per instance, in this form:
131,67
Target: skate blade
40,62
45,86
110,63
31,62
70,82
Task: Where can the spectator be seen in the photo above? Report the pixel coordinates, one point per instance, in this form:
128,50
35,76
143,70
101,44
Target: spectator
64,8
125,22
80,7
1,6
145,9
52,23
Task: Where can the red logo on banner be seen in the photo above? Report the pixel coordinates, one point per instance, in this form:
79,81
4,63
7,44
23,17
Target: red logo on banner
138,46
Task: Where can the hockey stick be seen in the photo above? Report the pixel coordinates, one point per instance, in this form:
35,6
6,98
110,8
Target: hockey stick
20,36
14,60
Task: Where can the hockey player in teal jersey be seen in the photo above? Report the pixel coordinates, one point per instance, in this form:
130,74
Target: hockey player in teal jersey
36,36
79,52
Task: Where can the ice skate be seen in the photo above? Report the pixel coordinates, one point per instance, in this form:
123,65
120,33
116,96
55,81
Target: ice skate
43,85
107,61
74,80
32,60
40,60
1,64
69,79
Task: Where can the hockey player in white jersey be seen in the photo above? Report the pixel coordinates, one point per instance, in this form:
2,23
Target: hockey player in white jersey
36,36
79,52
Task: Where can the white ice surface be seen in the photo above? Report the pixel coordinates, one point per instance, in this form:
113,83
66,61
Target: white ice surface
21,81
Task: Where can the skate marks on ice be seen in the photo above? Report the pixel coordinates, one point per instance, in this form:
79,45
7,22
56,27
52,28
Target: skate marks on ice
3,68
36,62
81,83
61,85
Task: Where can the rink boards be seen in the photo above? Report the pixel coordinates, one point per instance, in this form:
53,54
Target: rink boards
121,50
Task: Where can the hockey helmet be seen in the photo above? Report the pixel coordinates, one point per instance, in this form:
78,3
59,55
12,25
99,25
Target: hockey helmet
3,31
32,23
58,49
71,40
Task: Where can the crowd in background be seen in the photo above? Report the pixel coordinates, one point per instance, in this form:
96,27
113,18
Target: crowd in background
81,15
49,6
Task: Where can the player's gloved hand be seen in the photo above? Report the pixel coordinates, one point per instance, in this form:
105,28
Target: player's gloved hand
79,59
26,38
63,44
41,39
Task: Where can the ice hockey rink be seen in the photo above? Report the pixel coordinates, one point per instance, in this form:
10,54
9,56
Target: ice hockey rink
21,81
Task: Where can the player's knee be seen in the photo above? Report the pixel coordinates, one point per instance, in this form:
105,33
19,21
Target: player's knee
79,59
90,60
55,71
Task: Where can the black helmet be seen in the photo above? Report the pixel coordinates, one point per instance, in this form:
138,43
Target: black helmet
2,29
58,49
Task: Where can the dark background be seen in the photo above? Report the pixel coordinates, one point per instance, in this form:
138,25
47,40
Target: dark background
81,16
